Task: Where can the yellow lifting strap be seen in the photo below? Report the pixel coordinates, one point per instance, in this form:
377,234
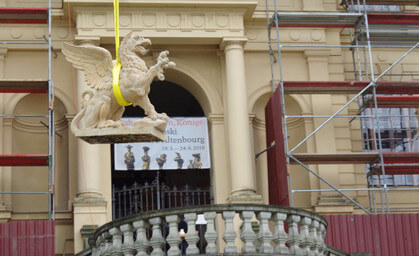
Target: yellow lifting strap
117,68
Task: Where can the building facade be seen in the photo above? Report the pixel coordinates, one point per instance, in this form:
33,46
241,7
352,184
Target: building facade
222,59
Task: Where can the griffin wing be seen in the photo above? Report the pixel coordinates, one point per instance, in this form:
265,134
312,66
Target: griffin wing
96,62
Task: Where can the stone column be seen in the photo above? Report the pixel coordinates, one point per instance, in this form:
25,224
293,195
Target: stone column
88,154
239,137
89,205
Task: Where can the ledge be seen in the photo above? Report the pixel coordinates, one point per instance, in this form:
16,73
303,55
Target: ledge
126,134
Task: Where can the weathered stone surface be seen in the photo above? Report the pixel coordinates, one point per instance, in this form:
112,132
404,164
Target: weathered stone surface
102,106
123,134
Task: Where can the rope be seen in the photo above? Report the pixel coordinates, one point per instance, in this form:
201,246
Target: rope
117,68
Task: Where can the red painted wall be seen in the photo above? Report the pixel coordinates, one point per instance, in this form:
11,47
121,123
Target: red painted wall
380,235
277,168
24,238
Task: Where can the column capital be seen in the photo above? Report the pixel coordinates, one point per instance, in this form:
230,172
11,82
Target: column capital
228,43
3,52
87,40
216,118
69,117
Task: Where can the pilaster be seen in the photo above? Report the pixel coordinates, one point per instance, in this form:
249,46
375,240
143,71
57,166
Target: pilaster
6,173
220,180
313,5
3,170
322,104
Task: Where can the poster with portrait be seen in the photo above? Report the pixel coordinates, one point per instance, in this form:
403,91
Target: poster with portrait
186,147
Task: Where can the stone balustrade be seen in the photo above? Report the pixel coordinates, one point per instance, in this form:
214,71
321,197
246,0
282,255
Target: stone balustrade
279,231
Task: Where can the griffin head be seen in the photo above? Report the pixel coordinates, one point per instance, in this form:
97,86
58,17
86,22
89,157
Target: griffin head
135,43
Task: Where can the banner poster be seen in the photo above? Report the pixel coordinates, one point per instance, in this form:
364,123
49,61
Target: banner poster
186,147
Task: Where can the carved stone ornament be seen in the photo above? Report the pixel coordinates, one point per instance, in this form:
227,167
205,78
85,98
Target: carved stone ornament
99,118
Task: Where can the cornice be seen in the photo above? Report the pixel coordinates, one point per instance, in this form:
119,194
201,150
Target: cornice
180,24
32,33
248,5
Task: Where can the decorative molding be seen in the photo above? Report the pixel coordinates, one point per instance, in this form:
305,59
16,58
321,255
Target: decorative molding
3,54
228,43
21,124
259,124
32,33
163,22
295,122
216,119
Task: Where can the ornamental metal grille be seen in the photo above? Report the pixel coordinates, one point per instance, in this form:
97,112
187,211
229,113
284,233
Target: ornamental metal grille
137,198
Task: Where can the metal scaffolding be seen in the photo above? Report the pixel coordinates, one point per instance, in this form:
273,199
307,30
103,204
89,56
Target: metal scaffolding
366,30
33,16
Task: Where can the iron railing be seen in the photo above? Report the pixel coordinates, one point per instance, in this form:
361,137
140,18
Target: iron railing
137,198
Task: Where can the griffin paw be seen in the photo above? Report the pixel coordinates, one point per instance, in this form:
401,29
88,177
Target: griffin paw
110,124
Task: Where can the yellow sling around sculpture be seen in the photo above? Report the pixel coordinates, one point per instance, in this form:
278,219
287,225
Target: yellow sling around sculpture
117,68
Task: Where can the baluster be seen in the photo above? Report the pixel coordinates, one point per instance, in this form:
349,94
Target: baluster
116,241
157,241
141,244
265,235
100,245
173,238
211,235
294,237
280,236
128,245
313,237
323,236
108,242
319,240
191,237
305,235
248,236
229,233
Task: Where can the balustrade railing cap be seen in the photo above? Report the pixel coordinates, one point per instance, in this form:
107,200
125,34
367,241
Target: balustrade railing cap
211,208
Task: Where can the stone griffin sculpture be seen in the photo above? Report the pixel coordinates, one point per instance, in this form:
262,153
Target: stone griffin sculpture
101,109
